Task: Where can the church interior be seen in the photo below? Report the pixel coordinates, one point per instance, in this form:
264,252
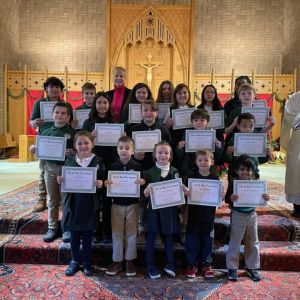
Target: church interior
196,42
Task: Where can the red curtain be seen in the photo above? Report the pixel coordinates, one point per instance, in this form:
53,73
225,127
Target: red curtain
74,98
267,97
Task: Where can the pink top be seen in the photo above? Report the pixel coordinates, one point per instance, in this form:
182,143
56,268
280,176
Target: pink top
117,102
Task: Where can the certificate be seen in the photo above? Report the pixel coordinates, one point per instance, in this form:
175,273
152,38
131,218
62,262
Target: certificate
182,117
250,193
163,108
46,110
205,192
146,140
81,115
108,134
253,144
260,114
259,103
123,184
199,139
135,113
79,180
50,147
216,119
166,193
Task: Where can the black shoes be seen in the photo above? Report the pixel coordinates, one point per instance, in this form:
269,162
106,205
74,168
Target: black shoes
72,268
51,235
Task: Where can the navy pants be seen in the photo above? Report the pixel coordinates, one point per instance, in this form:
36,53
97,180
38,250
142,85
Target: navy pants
168,239
198,248
86,237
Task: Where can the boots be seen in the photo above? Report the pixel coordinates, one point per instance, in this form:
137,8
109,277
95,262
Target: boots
40,205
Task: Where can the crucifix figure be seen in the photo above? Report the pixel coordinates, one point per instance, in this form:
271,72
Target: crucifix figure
149,66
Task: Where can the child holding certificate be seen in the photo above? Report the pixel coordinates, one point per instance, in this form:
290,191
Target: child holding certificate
83,207
124,213
186,160
200,223
61,128
243,227
138,95
247,94
245,124
101,113
54,89
182,100
162,220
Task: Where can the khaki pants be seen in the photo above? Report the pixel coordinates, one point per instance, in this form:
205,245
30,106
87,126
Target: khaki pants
41,182
243,227
51,172
124,221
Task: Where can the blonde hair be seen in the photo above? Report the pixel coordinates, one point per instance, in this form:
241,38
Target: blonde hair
119,70
205,152
246,87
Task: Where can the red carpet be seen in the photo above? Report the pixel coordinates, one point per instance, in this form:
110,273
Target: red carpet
48,282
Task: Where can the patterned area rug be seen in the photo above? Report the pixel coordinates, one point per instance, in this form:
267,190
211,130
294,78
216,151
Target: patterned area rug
49,282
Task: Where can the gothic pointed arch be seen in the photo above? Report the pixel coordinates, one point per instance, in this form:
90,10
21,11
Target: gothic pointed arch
151,51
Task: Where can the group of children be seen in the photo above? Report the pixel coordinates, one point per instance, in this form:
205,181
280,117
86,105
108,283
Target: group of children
121,216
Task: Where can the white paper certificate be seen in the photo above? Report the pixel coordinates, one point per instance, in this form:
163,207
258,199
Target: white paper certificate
250,193
81,115
46,110
216,119
182,117
135,113
79,180
199,139
205,192
145,140
123,184
108,134
260,114
163,108
259,103
166,193
253,144
50,147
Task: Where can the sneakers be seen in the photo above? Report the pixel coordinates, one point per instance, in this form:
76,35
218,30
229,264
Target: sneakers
88,270
40,205
253,274
130,268
191,272
208,272
153,272
114,268
66,237
72,268
232,275
51,235
170,271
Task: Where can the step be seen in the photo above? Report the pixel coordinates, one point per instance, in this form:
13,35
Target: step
271,227
30,249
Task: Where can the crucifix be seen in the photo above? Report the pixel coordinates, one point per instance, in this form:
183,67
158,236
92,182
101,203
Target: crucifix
149,66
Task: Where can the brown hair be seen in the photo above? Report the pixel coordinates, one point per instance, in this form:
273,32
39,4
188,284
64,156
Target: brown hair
88,86
83,133
200,114
151,103
245,116
162,143
179,87
126,139
160,98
